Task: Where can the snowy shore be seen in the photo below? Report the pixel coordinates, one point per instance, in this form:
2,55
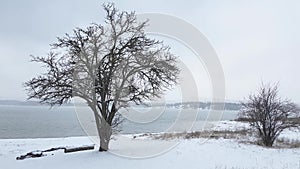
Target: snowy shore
189,153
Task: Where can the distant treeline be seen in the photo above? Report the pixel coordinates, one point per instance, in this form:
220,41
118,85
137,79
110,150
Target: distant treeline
184,105
200,105
25,103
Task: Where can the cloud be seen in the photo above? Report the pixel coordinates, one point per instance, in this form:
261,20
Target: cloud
255,40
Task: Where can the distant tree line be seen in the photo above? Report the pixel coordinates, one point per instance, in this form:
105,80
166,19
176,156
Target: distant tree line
200,105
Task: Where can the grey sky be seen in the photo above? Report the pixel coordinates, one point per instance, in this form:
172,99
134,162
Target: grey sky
255,40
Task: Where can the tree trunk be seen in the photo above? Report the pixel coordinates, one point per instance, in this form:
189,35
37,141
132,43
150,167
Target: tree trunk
268,141
105,134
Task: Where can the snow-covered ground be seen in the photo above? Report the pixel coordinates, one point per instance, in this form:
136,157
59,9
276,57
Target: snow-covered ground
188,153
229,126
291,134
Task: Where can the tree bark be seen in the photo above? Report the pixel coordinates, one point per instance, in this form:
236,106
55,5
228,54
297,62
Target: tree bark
268,141
105,134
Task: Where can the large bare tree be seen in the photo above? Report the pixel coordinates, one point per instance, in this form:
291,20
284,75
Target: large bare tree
109,66
269,114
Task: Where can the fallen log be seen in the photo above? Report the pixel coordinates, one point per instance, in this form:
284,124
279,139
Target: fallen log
38,153
54,149
82,148
33,154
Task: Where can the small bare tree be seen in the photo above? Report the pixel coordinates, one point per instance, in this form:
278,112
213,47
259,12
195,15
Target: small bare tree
108,66
269,114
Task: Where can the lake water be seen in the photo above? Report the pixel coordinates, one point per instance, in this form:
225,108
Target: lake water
42,122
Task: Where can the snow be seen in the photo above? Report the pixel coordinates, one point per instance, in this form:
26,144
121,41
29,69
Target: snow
229,126
144,152
292,134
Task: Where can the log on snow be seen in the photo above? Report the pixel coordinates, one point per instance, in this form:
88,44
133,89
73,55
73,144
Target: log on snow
35,154
81,148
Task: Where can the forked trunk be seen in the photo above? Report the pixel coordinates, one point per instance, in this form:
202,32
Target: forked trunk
268,141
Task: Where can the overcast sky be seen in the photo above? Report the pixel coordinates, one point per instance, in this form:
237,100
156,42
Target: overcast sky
255,40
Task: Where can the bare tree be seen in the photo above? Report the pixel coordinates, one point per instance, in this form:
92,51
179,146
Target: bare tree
269,114
108,66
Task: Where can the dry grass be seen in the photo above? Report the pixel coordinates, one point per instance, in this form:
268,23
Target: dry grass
204,134
243,136
287,143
